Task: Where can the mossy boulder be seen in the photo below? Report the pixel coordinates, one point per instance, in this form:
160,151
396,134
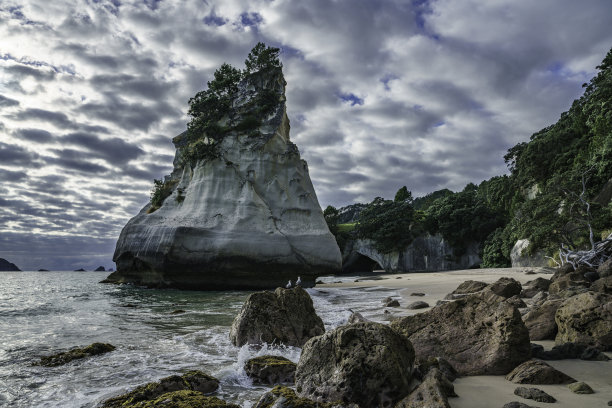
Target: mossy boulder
284,397
270,370
368,364
182,399
196,381
76,354
285,316
586,318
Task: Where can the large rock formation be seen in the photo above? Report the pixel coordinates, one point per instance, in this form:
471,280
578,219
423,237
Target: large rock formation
246,217
6,266
519,256
586,318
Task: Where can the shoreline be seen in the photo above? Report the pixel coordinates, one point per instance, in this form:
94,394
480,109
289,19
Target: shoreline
491,391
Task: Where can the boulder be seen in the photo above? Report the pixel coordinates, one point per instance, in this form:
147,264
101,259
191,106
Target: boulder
242,214
433,392
506,287
534,393
516,404
417,305
284,397
531,288
580,388
439,363
75,354
591,276
568,350
193,384
520,256
516,301
417,294
270,370
6,266
602,285
605,269
586,318
469,286
285,316
480,334
566,277
368,364
356,317
100,269
540,320
538,372
539,298
180,399
390,302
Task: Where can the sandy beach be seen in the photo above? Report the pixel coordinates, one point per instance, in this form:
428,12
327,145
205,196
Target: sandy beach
493,391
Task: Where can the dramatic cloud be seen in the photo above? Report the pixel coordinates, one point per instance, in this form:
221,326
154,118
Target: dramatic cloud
425,93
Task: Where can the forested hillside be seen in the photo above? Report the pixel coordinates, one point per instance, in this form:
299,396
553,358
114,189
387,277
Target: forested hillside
554,192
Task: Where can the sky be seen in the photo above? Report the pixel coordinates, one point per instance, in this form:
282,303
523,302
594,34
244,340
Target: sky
425,93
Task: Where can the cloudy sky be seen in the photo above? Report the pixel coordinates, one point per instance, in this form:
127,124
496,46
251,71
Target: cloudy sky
381,94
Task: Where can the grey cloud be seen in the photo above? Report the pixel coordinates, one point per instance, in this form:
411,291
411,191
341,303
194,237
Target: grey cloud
34,135
114,150
6,102
75,160
16,155
11,175
59,119
151,88
22,71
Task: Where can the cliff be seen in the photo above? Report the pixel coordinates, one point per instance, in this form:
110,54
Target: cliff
6,266
244,217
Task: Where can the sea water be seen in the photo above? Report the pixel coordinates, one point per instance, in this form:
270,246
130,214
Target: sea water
156,333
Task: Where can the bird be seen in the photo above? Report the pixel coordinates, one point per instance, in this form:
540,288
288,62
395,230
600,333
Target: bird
289,284
298,282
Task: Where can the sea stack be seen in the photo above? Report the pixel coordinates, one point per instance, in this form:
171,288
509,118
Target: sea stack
245,216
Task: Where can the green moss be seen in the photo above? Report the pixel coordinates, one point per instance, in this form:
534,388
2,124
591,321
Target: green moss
75,354
348,227
270,361
293,401
183,399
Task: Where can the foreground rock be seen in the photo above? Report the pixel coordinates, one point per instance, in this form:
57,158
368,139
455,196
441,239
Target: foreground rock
6,266
540,321
245,216
568,350
532,288
368,364
534,394
284,397
580,388
189,387
586,318
506,287
538,372
270,370
433,392
285,316
479,334
566,277
76,354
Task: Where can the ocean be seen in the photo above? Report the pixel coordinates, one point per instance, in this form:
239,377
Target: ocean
43,313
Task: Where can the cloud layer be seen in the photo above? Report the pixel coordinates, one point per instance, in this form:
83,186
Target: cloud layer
381,94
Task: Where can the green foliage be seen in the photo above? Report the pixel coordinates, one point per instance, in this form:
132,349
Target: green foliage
331,218
262,57
403,195
494,254
388,223
423,203
161,191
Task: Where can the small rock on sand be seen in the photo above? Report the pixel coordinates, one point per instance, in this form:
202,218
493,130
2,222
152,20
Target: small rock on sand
580,388
534,393
515,404
538,372
417,305
417,294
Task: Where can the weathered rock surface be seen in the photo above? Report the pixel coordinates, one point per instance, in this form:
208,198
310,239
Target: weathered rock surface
540,321
506,287
368,364
6,266
439,363
602,285
390,302
419,304
586,318
568,350
567,281
180,399
270,370
532,288
284,397
538,372
470,286
516,301
605,269
479,334
356,317
516,404
76,354
247,218
433,392
580,388
519,257
284,316
190,387
535,394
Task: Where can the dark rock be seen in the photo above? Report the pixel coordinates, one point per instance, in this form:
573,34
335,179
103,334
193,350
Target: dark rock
534,394
479,335
270,370
602,285
80,270
319,282
285,316
100,269
368,364
530,272
506,287
156,392
417,305
531,288
515,404
43,270
177,311
390,302
469,286
539,298
587,319
540,320
417,294
6,266
433,392
441,364
538,372
356,317
566,278
455,296
580,388
284,397
591,276
605,269
569,350
516,301
182,399
75,354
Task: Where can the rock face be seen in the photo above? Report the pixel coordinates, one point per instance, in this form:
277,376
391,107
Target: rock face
246,218
540,321
6,266
538,372
363,363
284,316
479,334
433,392
520,258
270,370
284,397
586,318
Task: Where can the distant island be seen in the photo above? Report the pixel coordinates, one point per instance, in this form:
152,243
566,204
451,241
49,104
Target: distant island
6,266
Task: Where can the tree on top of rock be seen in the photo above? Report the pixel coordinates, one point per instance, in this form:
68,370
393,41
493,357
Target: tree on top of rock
262,57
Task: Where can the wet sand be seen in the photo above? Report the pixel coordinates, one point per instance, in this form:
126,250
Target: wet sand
493,391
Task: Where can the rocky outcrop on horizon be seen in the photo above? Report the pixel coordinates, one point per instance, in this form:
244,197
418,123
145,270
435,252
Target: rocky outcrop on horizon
247,218
6,266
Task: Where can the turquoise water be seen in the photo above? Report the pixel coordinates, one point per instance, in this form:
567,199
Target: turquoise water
42,313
